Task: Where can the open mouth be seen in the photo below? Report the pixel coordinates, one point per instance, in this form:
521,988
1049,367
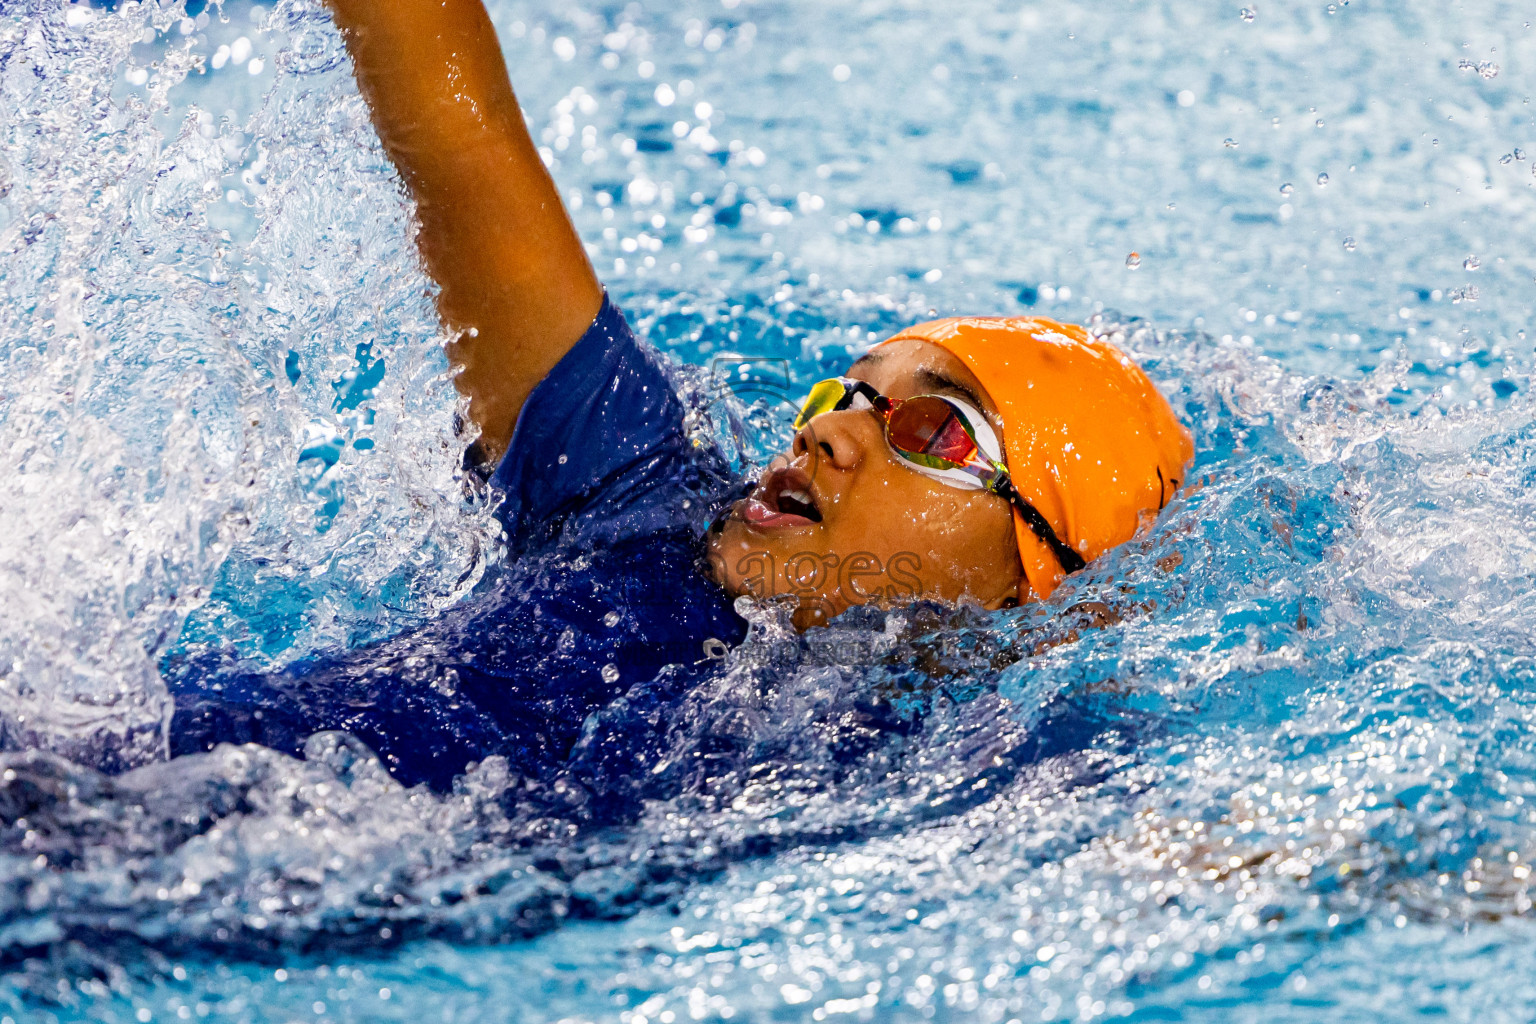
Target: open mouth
784,497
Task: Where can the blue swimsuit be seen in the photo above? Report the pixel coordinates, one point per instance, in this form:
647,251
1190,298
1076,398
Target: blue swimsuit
605,500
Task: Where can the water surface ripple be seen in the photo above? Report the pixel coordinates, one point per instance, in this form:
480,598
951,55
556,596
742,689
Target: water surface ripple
1273,760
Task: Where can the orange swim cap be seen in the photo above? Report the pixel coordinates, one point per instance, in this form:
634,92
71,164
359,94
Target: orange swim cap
1088,440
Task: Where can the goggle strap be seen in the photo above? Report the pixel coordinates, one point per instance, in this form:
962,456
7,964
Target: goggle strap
1070,560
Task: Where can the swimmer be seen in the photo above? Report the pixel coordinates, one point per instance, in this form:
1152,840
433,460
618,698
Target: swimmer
970,461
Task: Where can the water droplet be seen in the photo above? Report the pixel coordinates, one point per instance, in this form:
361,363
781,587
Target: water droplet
1133,261
1471,263
1322,180
1229,143
610,673
1248,14
611,619
1287,189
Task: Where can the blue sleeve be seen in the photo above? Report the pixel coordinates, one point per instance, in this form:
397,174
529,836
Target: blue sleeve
599,454
599,459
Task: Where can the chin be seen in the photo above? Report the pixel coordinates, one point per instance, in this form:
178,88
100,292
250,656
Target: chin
728,544
746,560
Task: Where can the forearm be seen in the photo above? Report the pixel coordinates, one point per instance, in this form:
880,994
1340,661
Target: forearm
494,233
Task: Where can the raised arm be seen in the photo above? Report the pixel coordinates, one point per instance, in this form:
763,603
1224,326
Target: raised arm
495,236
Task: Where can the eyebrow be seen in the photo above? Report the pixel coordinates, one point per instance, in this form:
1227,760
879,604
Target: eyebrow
869,358
943,382
927,378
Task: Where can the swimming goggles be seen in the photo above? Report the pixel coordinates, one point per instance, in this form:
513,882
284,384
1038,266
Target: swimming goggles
942,438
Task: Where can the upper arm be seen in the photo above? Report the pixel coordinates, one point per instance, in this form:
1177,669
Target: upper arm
515,280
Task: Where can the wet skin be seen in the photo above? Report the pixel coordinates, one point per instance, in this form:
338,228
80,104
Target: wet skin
886,533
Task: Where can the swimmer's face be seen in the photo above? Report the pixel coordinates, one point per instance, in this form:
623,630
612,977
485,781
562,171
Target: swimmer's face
841,519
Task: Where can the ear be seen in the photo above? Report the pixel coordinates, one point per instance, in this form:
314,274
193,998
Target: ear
1020,594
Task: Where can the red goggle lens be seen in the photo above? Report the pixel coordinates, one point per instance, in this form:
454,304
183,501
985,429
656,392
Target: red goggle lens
929,426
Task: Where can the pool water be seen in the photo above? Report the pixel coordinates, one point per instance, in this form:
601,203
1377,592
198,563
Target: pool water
1291,777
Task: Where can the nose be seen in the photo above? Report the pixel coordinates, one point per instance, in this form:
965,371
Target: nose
839,440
